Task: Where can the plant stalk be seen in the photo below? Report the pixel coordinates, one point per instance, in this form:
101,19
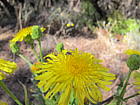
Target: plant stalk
5,88
35,53
124,88
131,96
25,59
40,48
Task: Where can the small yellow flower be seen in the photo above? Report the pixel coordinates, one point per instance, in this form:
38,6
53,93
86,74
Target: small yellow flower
132,52
23,33
73,71
3,103
70,25
6,67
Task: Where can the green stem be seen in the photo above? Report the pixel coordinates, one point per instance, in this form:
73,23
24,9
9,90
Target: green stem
40,95
35,53
26,99
5,88
41,53
25,59
126,83
124,88
131,96
73,102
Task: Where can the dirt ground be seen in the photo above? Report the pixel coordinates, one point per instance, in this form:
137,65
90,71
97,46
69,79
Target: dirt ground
109,51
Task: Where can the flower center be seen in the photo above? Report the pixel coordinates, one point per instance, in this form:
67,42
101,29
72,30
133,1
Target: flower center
75,69
76,66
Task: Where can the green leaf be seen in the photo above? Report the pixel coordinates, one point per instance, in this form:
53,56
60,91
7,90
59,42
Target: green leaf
14,48
50,102
120,86
73,100
113,102
59,47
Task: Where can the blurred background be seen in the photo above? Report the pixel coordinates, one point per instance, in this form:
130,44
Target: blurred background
21,13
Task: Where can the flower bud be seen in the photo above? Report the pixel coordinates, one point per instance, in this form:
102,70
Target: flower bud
14,48
29,40
133,62
36,32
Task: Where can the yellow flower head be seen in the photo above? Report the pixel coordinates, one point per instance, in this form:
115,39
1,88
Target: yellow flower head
6,67
73,71
132,52
23,33
136,76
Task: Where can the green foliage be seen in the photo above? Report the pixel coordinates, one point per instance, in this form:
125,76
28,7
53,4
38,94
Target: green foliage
29,40
59,47
87,8
88,14
50,102
73,100
120,25
14,48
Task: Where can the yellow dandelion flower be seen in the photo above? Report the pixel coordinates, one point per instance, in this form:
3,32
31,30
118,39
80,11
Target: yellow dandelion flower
131,52
73,71
6,67
21,35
